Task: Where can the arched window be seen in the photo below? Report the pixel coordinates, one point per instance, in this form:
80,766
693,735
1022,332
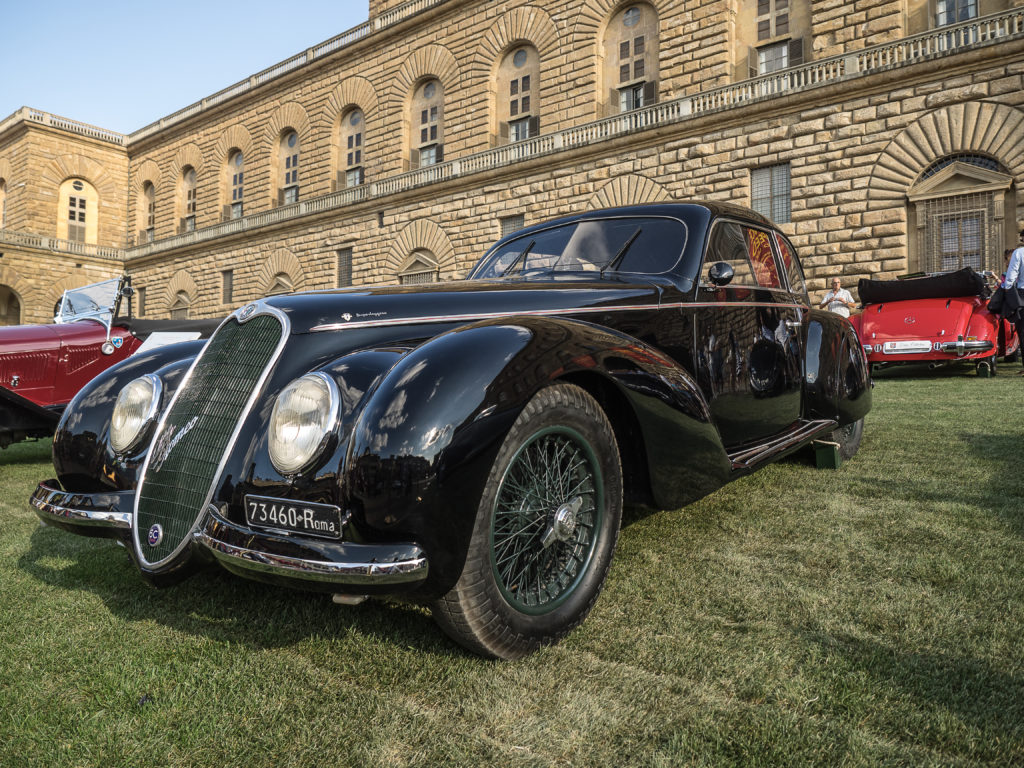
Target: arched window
427,125
351,173
282,283
188,200
3,203
956,214
236,184
630,69
420,267
10,306
180,305
518,94
77,211
288,157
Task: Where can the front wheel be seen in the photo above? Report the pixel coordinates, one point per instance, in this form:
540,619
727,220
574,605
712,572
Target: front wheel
546,528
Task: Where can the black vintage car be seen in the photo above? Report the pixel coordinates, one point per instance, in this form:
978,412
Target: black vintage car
468,444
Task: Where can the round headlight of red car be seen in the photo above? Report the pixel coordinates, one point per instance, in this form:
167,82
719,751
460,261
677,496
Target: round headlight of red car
304,416
137,406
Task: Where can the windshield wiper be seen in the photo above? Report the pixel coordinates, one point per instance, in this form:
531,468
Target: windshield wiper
622,252
520,257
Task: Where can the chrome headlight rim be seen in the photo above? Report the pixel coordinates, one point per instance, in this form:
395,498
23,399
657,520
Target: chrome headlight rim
148,419
332,422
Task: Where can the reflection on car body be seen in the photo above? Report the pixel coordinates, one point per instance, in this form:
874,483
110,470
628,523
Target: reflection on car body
475,439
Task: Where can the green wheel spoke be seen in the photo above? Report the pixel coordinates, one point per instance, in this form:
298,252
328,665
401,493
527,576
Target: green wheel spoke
542,536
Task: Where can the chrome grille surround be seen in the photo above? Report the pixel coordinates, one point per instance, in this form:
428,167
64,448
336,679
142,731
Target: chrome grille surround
241,316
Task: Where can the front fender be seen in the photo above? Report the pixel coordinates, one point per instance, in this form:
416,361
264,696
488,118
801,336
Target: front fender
423,445
82,455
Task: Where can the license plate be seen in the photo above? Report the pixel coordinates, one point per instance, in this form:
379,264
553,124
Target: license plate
905,347
309,519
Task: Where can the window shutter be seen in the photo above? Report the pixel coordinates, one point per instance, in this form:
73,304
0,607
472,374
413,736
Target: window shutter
534,126
503,131
440,152
339,181
140,238
650,93
613,102
181,226
414,158
796,52
225,212
752,68
280,197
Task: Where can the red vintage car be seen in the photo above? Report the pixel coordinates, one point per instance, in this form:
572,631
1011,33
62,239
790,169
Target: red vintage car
43,366
939,319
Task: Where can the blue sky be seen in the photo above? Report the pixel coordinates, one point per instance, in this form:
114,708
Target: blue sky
122,65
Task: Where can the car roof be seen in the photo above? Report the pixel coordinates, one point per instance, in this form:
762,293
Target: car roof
682,209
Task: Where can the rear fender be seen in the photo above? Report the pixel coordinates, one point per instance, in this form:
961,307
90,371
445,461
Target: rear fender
837,383
423,445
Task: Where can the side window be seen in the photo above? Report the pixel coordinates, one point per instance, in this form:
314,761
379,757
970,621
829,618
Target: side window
728,244
766,272
792,266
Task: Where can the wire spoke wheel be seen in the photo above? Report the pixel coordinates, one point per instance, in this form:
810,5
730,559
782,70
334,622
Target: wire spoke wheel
547,510
545,530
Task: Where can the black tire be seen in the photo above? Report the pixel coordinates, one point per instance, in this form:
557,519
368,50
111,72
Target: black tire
533,574
848,437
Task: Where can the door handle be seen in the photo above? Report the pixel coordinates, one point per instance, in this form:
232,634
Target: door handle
793,324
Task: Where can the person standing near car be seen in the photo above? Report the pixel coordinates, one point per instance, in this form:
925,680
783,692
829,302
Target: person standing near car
1013,284
839,300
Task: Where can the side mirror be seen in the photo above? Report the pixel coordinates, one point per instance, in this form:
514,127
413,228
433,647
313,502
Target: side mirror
720,273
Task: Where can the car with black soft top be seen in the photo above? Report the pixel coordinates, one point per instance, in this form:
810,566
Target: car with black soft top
468,445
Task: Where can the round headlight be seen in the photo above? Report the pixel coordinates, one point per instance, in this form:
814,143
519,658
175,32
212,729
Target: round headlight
304,417
136,407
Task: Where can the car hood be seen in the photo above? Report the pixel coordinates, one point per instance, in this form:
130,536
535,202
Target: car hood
457,301
917,319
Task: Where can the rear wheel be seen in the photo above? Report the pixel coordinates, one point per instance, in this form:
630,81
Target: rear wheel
546,528
848,437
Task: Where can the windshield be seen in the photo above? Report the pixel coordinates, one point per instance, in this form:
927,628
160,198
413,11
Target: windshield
647,245
92,301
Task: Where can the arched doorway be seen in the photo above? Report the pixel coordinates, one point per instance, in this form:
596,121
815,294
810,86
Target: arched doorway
10,306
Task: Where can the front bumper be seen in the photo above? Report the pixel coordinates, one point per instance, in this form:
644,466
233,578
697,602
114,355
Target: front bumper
248,552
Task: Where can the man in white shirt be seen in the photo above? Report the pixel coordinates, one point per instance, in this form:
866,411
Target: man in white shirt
839,300
1015,280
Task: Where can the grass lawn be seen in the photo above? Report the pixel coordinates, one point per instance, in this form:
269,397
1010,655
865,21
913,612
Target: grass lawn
871,615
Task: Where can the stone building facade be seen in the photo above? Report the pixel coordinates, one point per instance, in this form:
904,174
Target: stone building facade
885,136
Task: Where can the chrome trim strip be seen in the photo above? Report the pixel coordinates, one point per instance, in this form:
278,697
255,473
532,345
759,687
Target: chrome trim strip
548,312
241,315
45,500
749,456
400,571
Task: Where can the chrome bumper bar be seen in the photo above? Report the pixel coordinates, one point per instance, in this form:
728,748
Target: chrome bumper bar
239,549
235,557
89,510
961,347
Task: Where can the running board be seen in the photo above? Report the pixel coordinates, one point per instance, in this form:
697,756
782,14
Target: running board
745,458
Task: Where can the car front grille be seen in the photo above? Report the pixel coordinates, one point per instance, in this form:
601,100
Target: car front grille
186,455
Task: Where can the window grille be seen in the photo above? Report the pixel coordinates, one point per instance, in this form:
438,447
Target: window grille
962,231
510,224
770,192
344,267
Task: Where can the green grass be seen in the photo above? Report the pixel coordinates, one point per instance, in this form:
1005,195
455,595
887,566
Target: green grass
871,615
